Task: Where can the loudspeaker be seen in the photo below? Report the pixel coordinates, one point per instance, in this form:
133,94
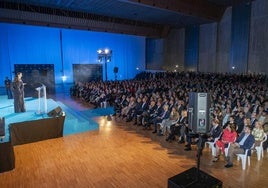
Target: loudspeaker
192,178
55,112
198,112
115,69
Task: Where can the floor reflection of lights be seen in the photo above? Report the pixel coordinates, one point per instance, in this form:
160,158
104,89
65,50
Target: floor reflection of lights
105,123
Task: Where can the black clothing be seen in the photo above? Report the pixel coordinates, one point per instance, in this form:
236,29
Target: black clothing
18,93
8,90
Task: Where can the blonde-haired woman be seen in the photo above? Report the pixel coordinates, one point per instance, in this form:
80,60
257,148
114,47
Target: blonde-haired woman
258,133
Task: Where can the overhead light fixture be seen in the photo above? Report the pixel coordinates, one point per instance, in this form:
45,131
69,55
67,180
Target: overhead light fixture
106,55
64,78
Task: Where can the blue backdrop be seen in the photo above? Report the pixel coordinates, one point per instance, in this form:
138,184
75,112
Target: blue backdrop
22,44
191,48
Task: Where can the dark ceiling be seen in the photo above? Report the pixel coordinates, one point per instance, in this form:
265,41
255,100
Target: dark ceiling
151,18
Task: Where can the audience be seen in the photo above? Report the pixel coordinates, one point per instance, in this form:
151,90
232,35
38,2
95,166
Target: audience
239,100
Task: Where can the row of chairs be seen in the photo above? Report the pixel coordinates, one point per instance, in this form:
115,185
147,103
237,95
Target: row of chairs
245,158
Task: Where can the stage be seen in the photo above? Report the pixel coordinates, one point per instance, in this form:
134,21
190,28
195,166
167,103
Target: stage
75,121
37,125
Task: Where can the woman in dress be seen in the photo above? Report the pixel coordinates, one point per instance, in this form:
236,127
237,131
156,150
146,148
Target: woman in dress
18,93
229,136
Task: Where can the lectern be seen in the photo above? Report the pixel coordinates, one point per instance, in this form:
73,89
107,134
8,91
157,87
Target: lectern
42,99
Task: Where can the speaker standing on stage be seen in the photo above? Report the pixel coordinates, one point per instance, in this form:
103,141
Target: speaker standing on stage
17,88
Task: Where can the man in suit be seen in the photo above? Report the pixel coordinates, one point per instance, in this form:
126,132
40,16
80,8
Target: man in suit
213,133
147,114
143,107
179,128
163,116
244,141
8,89
239,120
253,119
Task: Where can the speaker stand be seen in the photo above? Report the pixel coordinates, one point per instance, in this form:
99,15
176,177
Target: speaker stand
194,177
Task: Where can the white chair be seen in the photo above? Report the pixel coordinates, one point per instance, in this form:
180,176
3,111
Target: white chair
212,145
259,149
227,148
244,158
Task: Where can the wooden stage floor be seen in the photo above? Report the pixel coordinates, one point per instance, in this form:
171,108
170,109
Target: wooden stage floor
119,154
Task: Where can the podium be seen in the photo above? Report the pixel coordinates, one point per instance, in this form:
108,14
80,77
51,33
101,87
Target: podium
42,99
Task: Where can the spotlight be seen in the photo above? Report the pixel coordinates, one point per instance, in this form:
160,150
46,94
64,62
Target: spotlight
64,78
106,56
106,51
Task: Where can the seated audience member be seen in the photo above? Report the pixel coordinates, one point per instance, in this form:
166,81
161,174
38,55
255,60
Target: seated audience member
155,114
247,112
173,117
239,120
229,136
253,119
265,128
148,113
121,103
226,116
102,101
161,118
179,128
140,110
244,141
258,133
127,109
134,111
214,132
246,123
231,121
263,117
